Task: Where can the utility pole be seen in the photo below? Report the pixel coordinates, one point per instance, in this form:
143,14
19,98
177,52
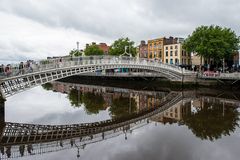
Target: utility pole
223,65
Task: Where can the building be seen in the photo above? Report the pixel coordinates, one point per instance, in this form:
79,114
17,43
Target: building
104,47
143,49
236,59
196,60
175,54
156,47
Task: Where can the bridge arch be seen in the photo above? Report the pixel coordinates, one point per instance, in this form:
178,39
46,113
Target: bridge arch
66,68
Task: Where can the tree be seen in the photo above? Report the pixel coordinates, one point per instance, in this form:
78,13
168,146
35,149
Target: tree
210,123
93,50
212,42
118,47
75,53
47,86
93,103
121,107
75,97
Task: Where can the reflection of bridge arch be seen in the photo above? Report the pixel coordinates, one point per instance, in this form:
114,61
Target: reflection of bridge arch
22,134
88,133
54,71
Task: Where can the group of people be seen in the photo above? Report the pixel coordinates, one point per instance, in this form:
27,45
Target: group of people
7,70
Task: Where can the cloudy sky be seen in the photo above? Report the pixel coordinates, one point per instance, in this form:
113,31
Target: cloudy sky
40,28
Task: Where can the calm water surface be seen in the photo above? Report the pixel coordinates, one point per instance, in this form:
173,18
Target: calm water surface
199,126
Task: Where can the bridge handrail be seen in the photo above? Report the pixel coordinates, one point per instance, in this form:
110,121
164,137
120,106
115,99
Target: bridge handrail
47,64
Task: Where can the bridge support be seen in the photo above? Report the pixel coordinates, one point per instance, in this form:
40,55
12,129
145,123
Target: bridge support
2,117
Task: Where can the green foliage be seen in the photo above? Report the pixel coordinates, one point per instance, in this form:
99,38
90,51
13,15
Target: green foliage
93,102
93,50
75,53
212,42
75,97
118,47
121,107
47,86
211,123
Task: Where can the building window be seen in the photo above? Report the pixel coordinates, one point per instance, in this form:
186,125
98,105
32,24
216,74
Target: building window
171,47
176,53
171,61
166,48
170,53
182,52
176,61
166,60
176,47
166,53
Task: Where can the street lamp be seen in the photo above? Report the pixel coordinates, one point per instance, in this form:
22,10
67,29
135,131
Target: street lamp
78,46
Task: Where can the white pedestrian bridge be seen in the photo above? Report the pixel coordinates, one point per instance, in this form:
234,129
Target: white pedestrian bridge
41,72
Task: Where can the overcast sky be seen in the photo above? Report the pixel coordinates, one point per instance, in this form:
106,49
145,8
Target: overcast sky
41,28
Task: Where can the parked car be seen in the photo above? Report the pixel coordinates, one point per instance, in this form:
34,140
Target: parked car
211,73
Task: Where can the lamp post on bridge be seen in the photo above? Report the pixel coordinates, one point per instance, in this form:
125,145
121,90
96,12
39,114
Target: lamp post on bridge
78,149
126,53
77,46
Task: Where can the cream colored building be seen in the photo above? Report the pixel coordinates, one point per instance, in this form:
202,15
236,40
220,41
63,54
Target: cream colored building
196,60
175,54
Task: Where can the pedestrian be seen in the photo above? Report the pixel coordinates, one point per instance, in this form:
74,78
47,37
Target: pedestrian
21,71
29,66
7,70
1,70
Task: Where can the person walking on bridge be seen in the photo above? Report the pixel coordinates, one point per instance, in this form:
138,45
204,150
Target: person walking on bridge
21,70
2,70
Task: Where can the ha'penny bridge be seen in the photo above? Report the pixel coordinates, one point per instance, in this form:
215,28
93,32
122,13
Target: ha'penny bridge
42,72
16,138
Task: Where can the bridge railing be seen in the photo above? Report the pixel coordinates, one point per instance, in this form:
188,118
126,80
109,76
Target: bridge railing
232,76
36,66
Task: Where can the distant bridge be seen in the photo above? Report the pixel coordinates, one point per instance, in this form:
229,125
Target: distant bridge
50,70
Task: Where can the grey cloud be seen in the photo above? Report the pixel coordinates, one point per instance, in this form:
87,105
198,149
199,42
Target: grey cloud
117,18
137,19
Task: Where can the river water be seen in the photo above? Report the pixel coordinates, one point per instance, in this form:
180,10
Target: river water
200,124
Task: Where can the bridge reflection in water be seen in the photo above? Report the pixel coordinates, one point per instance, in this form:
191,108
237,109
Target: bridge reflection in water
17,139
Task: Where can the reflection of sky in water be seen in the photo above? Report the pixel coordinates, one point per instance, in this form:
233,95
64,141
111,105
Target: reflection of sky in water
46,107
154,141
165,142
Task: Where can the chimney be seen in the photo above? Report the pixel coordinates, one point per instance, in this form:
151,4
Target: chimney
142,42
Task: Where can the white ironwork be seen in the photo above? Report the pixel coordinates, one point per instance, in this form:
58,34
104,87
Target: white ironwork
41,72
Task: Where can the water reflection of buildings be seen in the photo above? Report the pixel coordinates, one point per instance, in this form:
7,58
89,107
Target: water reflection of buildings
143,99
28,139
189,107
175,113
180,110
